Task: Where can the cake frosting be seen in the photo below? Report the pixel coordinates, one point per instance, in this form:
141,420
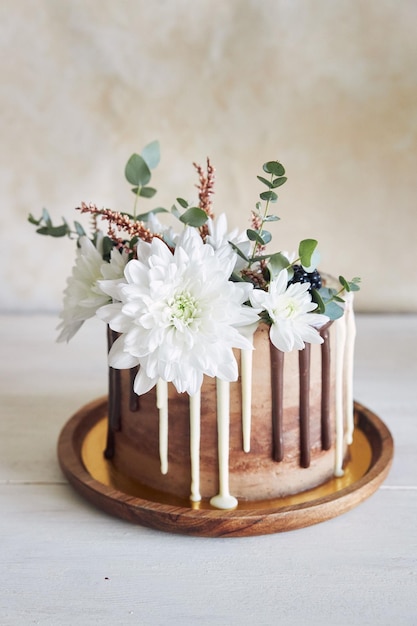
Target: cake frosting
283,427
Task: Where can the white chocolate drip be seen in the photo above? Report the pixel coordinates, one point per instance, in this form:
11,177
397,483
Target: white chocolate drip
339,408
246,377
162,405
223,500
349,357
195,406
246,386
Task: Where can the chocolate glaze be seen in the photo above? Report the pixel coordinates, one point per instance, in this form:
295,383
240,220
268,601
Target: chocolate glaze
134,404
114,404
277,386
304,364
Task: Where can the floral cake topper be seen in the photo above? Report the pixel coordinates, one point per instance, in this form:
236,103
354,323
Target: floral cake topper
181,301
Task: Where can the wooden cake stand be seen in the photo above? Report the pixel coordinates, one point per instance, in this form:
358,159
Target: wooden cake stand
80,452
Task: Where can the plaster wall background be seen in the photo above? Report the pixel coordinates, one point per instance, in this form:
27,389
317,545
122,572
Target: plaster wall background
329,88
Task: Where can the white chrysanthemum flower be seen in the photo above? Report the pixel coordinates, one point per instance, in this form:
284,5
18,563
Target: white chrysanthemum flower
178,314
289,309
83,296
219,238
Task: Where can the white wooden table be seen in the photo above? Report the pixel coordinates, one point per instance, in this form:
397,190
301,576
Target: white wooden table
64,562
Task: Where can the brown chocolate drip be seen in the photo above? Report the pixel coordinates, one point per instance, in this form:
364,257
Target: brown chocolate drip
134,404
304,365
277,385
325,390
114,400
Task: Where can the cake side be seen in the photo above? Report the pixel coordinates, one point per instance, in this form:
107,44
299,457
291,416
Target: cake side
253,475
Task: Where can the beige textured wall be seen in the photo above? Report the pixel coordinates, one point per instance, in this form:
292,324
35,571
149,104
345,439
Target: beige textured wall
327,86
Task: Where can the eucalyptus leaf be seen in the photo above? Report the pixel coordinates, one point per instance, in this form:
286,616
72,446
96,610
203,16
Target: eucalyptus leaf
265,181
239,251
183,203
274,167
271,218
253,235
194,217
333,310
147,192
266,236
277,262
107,247
175,212
54,231
270,196
277,182
151,154
305,251
33,220
46,218
79,229
137,171
316,297
143,217
344,283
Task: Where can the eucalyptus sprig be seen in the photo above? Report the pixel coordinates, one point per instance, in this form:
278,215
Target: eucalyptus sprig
329,299
257,233
138,173
46,227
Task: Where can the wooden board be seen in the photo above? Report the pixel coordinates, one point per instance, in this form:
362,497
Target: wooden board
80,455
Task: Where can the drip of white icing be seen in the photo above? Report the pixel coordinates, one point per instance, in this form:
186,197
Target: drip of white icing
162,405
195,406
340,352
223,500
349,357
246,386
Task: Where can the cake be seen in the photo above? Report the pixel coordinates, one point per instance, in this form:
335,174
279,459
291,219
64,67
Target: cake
230,368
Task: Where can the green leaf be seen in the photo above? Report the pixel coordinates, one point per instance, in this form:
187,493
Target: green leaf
194,217
54,231
239,251
175,212
266,236
305,251
258,206
137,171
271,218
183,203
253,235
274,167
344,283
147,192
333,310
354,287
277,262
265,181
151,154
79,229
33,220
270,196
46,218
316,297
143,217
262,239
277,182
107,247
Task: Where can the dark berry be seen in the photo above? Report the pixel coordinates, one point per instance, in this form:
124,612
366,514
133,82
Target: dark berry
301,276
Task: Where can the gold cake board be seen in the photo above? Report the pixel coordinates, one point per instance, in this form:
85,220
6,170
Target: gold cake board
80,452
